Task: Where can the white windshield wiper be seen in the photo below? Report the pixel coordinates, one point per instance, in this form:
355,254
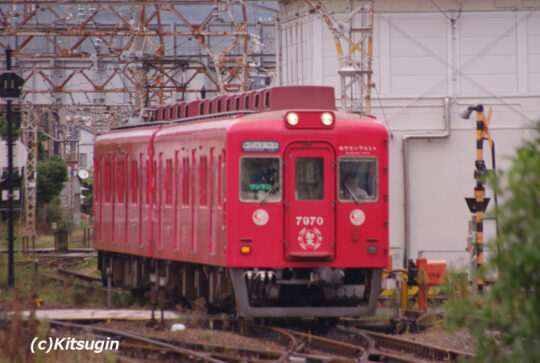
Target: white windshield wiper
268,193
355,197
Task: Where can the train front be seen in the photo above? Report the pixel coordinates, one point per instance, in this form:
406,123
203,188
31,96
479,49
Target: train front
307,212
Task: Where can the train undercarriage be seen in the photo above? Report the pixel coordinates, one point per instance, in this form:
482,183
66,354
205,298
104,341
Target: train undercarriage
283,292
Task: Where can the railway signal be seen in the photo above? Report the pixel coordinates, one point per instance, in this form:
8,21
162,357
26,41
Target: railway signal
10,87
478,203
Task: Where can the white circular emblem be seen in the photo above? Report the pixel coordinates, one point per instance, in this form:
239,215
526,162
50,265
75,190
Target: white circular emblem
310,237
260,217
357,217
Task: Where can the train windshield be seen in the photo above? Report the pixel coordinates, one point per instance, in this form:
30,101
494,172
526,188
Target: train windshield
358,179
309,179
260,179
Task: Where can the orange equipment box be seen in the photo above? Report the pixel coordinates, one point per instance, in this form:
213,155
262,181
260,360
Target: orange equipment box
436,270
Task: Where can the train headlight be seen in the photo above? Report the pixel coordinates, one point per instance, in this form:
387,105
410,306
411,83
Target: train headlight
292,118
327,119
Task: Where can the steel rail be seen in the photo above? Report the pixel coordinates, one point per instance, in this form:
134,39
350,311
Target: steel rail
277,335
420,350
186,353
212,352
310,343
62,269
224,353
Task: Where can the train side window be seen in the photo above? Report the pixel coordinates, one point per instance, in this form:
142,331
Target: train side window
358,179
203,180
219,183
260,179
168,182
176,182
147,184
141,179
155,182
112,183
193,181
309,183
98,169
222,178
133,181
107,182
120,181
159,182
185,181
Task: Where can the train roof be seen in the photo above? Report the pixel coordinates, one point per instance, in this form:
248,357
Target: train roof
262,100
267,103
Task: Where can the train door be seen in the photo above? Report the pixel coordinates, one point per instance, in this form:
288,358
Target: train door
309,201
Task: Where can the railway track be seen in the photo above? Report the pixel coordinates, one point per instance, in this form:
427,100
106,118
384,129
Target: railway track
428,352
135,345
65,270
391,348
338,344
59,269
294,346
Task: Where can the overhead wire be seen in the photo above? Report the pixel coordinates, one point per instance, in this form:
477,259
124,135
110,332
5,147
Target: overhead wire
387,124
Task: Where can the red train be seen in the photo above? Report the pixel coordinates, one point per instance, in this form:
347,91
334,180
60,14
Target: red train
270,202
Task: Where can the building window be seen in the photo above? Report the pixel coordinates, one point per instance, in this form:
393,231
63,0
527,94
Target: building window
83,159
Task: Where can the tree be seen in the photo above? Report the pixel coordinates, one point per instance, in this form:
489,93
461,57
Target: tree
52,174
506,324
88,183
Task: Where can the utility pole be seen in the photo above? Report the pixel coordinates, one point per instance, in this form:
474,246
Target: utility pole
10,87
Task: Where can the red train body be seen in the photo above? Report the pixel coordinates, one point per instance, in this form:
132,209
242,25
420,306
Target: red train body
270,201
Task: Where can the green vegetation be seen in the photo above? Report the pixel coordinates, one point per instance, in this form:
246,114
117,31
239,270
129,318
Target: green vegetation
52,174
53,291
506,320
89,193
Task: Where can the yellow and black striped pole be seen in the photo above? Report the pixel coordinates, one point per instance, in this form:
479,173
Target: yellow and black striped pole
479,203
479,193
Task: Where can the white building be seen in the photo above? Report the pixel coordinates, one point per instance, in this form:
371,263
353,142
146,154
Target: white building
431,60
71,195
87,137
